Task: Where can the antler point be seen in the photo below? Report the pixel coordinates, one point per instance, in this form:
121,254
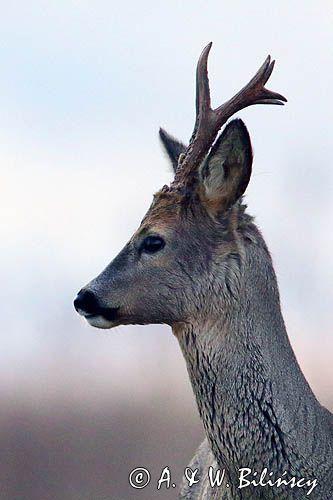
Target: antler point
206,50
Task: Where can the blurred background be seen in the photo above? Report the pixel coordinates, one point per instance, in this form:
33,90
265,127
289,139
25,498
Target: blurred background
84,87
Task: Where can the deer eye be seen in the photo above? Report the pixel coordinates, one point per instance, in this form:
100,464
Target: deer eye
152,244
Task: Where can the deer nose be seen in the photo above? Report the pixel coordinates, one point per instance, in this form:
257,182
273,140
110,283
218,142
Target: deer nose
86,302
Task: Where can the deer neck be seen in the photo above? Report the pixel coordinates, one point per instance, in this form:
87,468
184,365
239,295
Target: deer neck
256,407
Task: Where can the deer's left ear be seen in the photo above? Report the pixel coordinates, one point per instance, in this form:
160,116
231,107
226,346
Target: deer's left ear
225,173
172,146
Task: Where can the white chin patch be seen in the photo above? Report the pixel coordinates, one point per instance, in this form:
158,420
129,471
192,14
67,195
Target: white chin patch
99,322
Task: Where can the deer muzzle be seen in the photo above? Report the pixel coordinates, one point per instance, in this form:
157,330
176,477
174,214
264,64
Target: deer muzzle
87,305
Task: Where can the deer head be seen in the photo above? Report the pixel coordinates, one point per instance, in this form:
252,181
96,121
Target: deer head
179,264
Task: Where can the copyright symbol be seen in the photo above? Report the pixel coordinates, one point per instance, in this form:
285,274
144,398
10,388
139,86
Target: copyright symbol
139,478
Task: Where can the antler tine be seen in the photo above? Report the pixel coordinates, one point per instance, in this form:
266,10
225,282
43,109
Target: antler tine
203,108
253,93
203,111
264,72
209,121
262,76
202,83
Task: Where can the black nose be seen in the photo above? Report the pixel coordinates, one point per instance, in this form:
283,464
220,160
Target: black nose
86,302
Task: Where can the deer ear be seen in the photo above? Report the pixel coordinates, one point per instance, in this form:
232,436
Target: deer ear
225,173
172,147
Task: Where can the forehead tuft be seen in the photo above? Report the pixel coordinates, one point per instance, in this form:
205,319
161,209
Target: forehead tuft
168,198
165,207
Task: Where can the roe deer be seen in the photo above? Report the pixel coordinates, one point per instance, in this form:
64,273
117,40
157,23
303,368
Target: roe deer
199,264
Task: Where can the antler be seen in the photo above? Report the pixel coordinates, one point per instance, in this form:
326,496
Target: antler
209,121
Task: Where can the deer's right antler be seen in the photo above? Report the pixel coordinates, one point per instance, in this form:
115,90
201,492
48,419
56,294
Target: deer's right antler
209,121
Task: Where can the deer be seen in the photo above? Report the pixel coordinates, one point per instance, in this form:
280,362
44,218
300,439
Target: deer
199,264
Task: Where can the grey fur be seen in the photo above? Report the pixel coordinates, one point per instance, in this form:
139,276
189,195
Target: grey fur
257,409
215,285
